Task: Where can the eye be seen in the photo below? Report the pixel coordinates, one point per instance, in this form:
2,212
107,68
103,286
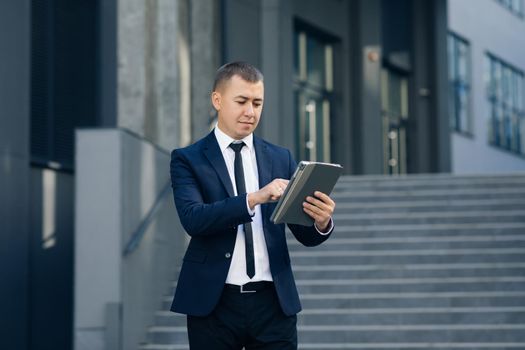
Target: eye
241,102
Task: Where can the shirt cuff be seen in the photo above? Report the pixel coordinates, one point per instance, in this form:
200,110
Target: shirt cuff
251,212
330,228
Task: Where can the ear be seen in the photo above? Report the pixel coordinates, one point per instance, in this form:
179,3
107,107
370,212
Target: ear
216,100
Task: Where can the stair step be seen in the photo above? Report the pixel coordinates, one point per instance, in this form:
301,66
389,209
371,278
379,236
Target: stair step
397,190
444,315
432,205
413,333
468,227
168,318
425,242
397,299
424,185
409,231
412,346
408,270
336,241
400,318
373,346
405,285
407,281
495,214
364,180
429,219
184,346
408,256
380,333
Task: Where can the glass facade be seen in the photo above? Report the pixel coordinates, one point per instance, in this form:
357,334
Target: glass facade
505,92
459,78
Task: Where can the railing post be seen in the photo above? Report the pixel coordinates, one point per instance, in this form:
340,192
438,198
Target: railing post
113,326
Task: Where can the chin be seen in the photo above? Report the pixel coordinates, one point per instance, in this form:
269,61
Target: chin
242,135
245,132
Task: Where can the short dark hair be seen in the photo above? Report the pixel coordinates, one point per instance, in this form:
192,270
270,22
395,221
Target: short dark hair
244,70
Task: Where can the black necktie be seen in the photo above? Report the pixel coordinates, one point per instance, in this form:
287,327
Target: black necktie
241,189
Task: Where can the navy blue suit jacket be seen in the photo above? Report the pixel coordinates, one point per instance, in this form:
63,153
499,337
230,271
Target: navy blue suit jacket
210,213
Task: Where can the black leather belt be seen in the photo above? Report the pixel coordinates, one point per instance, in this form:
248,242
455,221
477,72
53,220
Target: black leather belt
251,287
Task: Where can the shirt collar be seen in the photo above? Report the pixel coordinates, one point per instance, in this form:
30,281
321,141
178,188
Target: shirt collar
225,140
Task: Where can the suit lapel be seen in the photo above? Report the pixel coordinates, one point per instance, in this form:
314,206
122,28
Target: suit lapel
212,151
264,165
264,162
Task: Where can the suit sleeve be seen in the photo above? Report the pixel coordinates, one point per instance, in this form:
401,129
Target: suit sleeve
197,217
307,235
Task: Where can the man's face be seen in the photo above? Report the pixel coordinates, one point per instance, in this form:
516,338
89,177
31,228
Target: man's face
239,105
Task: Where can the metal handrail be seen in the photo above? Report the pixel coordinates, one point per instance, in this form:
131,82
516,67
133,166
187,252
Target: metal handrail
137,236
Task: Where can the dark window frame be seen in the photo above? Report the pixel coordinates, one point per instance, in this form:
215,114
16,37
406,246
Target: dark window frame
459,86
506,119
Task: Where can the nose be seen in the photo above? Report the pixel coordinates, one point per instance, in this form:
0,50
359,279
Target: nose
250,111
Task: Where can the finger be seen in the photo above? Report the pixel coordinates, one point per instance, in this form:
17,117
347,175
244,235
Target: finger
320,221
273,192
311,214
280,183
316,202
324,197
321,205
283,183
320,212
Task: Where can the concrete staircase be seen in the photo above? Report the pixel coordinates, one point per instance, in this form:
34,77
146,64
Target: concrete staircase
416,262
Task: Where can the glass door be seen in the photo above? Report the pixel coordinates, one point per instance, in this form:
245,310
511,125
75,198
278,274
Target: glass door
394,110
314,127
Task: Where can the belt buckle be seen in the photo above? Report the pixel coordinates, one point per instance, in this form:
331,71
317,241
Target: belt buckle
246,291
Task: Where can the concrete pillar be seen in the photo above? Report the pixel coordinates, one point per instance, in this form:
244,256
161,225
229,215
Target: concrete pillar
442,143
154,69
429,90
278,123
205,59
367,125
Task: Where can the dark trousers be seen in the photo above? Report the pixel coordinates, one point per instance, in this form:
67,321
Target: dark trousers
249,320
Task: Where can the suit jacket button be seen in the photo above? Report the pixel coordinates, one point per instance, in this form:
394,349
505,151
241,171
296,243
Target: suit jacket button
227,255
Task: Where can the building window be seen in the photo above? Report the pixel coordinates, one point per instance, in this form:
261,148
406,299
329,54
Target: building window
514,6
459,77
313,90
505,92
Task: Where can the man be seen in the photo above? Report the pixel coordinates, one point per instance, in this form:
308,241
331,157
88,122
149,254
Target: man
236,285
